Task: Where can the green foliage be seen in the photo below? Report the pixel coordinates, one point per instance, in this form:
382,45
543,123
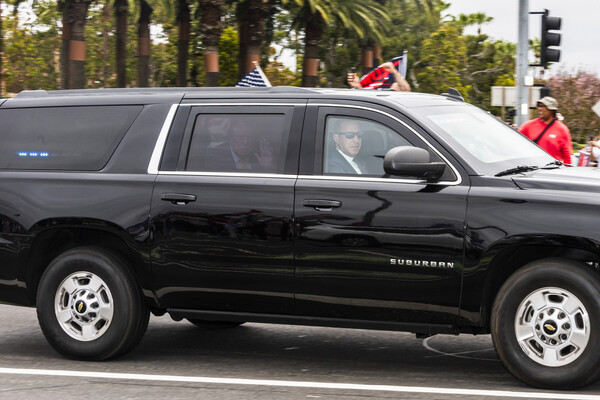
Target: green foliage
465,20
31,54
340,52
228,57
279,75
413,21
364,17
486,65
100,59
443,59
164,58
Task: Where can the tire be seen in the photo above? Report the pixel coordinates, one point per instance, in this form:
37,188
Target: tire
206,324
89,306
546,324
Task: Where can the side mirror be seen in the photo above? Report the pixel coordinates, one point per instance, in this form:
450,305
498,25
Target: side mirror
412,162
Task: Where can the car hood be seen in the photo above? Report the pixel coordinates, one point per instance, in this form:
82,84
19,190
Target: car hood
573,179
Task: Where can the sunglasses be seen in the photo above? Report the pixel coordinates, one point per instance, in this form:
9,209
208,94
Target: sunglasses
350,135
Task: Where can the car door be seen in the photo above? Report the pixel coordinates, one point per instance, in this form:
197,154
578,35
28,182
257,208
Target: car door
222,235
371,246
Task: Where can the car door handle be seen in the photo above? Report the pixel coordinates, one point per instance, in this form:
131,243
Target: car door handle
178,198
322,205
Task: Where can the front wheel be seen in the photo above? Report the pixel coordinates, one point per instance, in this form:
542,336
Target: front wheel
546,324
89,306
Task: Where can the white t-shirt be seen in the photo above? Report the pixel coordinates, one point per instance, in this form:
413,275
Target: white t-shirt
596,153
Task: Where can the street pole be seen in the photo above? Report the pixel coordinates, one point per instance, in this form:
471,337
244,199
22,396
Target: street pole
522,105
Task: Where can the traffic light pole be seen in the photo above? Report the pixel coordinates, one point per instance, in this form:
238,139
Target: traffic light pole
522,103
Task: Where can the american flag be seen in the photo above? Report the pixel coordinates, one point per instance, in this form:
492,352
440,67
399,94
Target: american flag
254,78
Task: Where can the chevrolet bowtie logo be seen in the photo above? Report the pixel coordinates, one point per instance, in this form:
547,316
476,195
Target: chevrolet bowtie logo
549,327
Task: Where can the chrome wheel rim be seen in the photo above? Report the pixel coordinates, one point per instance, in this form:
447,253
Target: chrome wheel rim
84,306
552,327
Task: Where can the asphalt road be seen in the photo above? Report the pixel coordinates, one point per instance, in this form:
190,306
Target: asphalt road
177,360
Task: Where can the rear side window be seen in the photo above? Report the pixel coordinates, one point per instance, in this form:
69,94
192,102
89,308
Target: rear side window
62,138
241,143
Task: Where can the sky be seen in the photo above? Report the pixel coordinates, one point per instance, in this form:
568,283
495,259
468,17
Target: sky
580,30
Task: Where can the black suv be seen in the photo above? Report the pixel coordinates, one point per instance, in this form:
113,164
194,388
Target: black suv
345,208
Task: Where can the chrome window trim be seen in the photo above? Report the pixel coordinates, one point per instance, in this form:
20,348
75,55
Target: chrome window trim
243,104
228,174
359,178
160,142
162,138
371,179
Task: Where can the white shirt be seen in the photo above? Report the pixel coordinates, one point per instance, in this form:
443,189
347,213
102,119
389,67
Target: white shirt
350,160
596,152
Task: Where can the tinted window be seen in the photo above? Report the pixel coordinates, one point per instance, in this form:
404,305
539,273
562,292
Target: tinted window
357,144
247,143
62,138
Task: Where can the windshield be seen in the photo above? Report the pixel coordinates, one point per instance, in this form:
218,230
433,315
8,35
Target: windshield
485,142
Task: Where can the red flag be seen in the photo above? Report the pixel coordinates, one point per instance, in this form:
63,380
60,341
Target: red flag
380,79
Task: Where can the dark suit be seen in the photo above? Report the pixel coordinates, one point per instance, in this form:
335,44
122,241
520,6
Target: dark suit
221,159
337,164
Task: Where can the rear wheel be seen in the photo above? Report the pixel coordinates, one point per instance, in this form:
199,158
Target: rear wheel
89,306
546,324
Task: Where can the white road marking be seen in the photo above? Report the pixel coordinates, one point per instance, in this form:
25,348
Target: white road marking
299,384
459,354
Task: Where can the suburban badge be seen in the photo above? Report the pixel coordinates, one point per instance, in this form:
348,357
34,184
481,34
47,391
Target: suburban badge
421,263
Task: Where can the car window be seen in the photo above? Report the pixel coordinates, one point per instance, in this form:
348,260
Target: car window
357,145
242,143
487,144
62,138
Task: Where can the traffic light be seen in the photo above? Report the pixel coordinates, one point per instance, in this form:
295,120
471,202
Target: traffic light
549,39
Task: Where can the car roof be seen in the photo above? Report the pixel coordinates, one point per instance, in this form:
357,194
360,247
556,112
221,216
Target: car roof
175,95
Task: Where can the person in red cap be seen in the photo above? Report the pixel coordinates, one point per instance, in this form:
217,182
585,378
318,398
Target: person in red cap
548,132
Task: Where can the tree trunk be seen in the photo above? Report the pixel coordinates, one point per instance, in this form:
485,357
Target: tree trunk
242,47
371,52
367,57
315,26
254,17
76,15
121,10
211,28
106,15
64,54
377,58
183,41
144,44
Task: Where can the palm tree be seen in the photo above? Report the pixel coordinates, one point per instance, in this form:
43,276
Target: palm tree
480,19
144,43
73,48
142,10
121,11
252,18
362,17
371,52
183,41
211,28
